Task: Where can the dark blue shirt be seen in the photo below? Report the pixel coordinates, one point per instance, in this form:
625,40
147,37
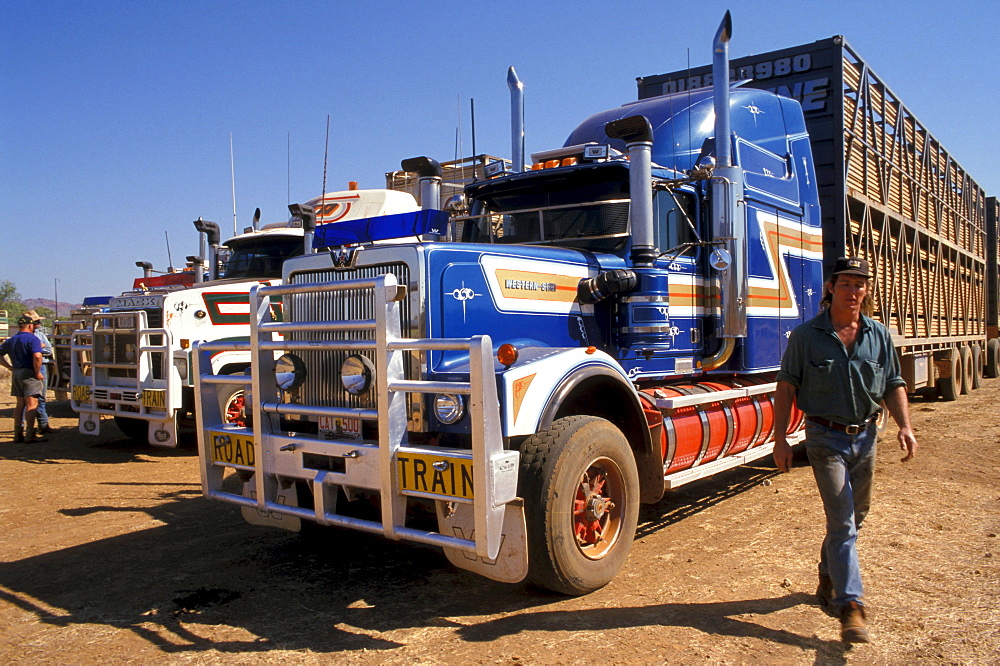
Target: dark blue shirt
22,349
832,383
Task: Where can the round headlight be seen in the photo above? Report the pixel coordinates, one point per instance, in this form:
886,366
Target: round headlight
130,352
106,352
289,372
449,408
357,374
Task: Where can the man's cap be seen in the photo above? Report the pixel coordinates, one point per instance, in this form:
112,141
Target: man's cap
31,315
22,320
852,266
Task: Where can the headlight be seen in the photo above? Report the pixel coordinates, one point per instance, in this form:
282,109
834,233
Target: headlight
106,352
182,368
289,372
449,408
357,374
130,352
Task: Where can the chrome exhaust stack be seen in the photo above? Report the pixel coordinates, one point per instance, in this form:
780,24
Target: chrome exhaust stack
728,205
516,120
147,269
209,231
637,134
428,172
307,215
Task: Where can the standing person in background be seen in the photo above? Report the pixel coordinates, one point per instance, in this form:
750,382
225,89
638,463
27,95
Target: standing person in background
43,415
26,383
839,367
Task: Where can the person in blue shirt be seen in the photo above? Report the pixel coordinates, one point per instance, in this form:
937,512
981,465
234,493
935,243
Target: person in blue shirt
839,368
27,382
36,322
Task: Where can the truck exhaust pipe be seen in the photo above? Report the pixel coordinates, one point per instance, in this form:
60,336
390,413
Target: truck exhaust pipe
516,120
147,269
429,178
729,208
210,232
308,216
637,134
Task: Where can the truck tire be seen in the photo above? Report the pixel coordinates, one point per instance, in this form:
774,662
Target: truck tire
993,358
977,366
581,502
136,429
965,355
231,407
949,388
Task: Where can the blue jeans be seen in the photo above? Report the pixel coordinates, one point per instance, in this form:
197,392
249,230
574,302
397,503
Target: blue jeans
843,466
42,416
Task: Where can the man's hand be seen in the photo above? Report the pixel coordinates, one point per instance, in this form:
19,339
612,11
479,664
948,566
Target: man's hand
782,455
907,443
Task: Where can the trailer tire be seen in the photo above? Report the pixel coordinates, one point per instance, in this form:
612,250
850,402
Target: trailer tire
993,358
965,355
581,490
949,388
136,429
977,366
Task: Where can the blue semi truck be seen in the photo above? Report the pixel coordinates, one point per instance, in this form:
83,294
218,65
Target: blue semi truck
510,379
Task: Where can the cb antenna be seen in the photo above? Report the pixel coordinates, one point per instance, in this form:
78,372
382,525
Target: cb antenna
232,173
170,261
326,153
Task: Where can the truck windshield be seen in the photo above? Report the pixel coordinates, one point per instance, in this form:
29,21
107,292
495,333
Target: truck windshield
260,257
572,210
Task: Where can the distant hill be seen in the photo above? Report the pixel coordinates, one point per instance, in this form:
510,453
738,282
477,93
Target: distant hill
64,308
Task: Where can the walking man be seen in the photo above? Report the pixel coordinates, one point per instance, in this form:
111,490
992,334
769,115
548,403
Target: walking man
26,383
839,368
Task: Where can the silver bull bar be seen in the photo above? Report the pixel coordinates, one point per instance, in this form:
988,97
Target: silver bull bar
277,459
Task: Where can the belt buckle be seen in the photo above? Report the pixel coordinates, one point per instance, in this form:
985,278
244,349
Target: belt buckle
853,429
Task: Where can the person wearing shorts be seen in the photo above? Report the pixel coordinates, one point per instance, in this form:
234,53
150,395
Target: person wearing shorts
27,381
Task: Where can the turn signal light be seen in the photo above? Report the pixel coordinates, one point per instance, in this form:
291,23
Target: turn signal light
507,354
185,343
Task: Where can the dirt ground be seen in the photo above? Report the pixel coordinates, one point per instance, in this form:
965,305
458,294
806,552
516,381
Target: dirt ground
110,554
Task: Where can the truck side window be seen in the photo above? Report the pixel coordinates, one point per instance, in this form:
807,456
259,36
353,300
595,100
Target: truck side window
670,223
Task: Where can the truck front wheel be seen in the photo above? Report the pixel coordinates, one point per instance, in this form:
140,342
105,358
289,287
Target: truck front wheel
581,491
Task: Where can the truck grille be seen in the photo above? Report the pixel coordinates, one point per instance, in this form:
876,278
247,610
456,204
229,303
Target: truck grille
116,343
322,386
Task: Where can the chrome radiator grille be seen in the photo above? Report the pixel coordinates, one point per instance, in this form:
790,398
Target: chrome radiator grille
322,386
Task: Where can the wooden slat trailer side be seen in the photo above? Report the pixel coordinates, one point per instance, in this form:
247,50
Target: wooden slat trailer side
890,192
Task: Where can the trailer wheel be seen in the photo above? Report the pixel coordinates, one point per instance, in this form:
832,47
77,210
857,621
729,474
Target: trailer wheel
136,429
949,388
965,355
993,358
581,490
977,365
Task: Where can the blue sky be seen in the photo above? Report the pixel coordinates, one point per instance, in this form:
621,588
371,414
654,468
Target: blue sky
115,117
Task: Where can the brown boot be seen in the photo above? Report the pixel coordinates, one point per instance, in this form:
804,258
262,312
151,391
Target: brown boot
852,624
824,591
18,436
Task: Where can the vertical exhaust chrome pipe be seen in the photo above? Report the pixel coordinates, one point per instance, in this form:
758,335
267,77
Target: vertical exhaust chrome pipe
637,134
429,177
210,231
308,216
728,205
516,120
147,268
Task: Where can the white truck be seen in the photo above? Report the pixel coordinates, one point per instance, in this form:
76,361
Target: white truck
133,362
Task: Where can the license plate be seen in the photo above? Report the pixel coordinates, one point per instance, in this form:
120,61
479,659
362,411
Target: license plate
230,448
81,393
331,427
154,398
435,474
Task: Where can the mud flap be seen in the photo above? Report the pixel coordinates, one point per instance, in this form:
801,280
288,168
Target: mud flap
511,564
90,424
163,433
255,516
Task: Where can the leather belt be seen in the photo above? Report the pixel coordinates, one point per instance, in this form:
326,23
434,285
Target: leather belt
849,429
